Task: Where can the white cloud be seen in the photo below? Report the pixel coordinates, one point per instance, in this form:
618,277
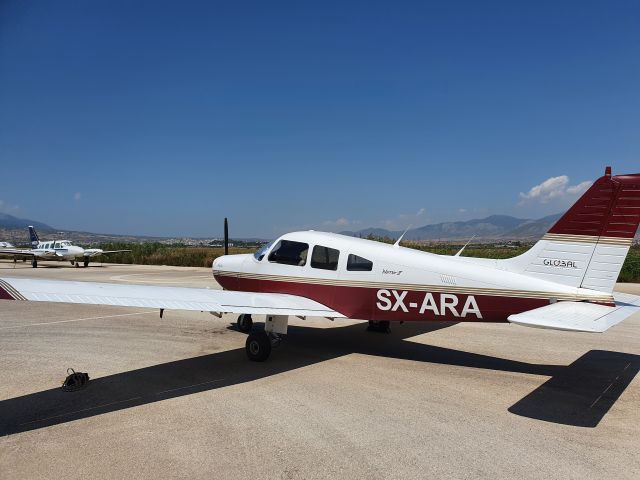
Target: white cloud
77,196
462,210
551,189
421,212
579,189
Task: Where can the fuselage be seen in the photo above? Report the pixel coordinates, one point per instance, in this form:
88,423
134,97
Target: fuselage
58,250
369,280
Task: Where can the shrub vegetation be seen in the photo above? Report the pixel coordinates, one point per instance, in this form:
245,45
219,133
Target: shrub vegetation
184,256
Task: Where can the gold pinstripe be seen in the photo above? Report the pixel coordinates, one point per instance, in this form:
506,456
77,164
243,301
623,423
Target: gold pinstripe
11,291
495,292
567,238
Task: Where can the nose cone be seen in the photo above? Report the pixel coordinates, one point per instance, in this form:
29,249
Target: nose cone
226,268
229,263
223,262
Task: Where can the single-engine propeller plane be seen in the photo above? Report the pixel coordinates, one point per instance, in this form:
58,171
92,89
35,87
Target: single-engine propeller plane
565,281
55,250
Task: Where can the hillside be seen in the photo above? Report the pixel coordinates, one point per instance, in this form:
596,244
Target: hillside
494,227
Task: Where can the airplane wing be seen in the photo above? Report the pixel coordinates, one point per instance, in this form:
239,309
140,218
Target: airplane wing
90,253
16,251
170,298
579,316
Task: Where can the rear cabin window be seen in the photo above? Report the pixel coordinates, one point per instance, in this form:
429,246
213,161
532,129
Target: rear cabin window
289,253
358,264
325,258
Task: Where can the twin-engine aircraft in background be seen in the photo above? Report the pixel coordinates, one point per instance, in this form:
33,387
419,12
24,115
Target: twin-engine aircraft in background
56,250
565,281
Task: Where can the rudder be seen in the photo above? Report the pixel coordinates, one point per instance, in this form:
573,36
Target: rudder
33,236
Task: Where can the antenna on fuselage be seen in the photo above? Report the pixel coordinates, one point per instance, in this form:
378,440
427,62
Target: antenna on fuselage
397,244
462,249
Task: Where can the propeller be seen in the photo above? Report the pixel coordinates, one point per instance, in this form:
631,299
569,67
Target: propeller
226,236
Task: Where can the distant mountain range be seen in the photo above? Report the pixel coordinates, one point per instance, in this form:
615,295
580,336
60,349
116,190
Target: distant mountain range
11,222
495,227
14,229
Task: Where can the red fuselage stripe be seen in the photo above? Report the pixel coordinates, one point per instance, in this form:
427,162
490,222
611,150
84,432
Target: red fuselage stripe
395,305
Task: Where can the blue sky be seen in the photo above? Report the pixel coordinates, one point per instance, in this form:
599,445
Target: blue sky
161,118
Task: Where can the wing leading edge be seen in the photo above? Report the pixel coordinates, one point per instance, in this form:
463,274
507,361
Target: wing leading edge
95,253
579,316
16,251
170,298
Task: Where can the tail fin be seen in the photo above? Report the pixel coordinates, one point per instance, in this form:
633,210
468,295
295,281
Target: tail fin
33,236
588,245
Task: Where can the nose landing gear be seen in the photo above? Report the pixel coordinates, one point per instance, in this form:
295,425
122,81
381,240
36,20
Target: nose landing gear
245,323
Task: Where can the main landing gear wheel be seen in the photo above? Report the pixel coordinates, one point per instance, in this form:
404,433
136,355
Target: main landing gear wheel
34,262
379,327
86,263
245,323
73,263
258,346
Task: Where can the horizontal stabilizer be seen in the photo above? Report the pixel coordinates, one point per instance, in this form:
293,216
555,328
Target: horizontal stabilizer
579,316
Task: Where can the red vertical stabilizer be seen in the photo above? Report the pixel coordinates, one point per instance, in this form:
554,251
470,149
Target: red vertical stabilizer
610,208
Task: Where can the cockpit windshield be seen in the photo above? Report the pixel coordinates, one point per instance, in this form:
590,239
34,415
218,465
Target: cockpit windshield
65,244
259,255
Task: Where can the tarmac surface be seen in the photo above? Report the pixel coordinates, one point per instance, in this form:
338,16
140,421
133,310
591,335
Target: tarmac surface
177,398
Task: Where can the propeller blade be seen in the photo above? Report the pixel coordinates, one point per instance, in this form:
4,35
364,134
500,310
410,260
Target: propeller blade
226,236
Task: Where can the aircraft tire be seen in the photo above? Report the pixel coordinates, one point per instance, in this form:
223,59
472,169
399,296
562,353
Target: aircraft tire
245,323
34,263
86,263
258,346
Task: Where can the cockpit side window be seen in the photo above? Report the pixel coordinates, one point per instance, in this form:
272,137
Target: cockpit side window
358,264
325,258
288,252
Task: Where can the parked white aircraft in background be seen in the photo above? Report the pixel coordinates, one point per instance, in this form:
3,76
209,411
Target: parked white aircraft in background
565,281
55,250
6,245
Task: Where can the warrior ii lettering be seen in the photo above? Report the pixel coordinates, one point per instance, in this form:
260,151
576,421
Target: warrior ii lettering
391,272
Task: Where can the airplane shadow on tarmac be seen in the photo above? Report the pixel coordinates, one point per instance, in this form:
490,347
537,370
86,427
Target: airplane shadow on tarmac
579,394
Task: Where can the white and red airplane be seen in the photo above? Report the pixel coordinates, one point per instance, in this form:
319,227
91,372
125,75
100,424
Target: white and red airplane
565,281
55,250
